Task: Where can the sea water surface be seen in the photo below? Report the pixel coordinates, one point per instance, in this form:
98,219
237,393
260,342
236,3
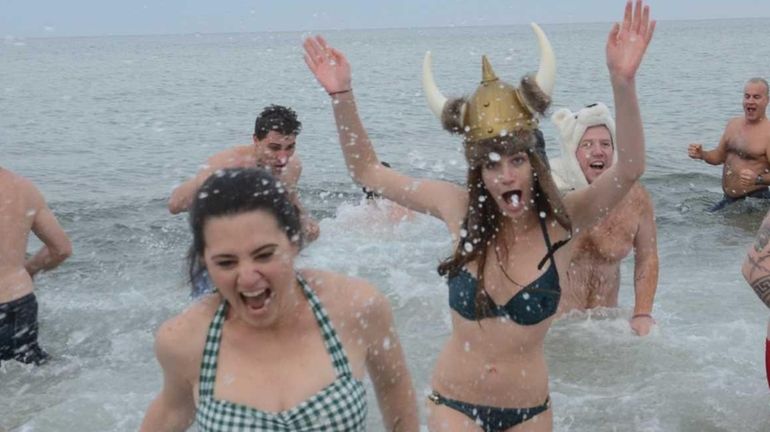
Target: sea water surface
107,126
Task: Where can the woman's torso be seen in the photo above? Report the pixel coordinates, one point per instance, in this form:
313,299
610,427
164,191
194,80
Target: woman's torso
496,361
306,376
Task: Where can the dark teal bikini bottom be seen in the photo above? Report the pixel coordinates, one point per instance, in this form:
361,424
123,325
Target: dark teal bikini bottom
491,419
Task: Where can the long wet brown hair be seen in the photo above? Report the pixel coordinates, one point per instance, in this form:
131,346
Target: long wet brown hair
484,219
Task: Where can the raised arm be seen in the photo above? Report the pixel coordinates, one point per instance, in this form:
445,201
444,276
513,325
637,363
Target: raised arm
626,45
332,70
756,266
387,369
174,408
645,267
56,244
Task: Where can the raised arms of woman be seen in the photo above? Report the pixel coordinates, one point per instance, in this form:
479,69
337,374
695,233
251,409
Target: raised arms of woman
626,46
444,200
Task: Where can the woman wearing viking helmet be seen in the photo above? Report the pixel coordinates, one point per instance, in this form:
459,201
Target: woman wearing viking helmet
504,274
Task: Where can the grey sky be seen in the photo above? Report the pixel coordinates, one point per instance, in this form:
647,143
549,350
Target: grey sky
30,18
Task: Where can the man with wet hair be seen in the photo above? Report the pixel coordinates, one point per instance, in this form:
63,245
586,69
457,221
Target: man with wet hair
23,210
756,271
273,148
744,149
587,139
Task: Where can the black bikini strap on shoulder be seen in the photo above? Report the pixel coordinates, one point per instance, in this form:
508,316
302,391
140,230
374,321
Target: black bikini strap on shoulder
551,248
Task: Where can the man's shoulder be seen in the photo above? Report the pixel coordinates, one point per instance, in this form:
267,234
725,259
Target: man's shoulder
18,183
233,157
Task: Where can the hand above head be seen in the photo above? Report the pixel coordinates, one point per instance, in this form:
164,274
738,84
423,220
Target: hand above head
695,151
628,41
329,65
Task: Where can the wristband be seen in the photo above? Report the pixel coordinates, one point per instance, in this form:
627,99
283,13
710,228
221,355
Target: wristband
642,315
340,92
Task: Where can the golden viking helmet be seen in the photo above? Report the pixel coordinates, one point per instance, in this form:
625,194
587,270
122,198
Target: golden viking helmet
496,108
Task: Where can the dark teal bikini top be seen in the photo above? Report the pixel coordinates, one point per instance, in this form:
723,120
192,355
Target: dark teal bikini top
535,302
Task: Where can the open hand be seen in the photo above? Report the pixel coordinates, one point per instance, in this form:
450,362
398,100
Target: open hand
328,64
628,41
695,151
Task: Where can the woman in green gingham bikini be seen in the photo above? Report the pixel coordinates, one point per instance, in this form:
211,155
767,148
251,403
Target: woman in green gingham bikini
274,349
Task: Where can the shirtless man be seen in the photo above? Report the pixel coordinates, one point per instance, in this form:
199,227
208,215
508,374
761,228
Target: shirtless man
23,209
744,149
274,143
756,270
593,280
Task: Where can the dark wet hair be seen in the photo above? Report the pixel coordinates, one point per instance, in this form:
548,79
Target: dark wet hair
370,193
235,191
484,218
279,119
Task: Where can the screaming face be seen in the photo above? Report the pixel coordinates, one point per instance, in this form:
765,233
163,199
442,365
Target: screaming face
275,150
755,101
595,152
250,261
508,179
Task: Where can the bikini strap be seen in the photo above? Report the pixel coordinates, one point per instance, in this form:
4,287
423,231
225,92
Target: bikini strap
551,248
208,371
331,340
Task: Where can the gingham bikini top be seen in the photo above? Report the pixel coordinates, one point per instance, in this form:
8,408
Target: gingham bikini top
340,406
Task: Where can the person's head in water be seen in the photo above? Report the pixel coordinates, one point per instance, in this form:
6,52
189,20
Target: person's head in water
275,136
587,139
371,194
755,99
508,173
246,233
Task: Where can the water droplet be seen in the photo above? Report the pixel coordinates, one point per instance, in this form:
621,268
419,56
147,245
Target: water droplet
494,156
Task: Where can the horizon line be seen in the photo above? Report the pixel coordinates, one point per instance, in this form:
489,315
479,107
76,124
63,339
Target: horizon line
8,38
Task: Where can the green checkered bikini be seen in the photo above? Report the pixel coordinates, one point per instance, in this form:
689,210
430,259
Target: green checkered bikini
340,406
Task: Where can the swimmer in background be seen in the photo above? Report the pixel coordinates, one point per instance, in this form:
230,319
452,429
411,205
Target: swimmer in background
744,149
23,210
273,148
587,139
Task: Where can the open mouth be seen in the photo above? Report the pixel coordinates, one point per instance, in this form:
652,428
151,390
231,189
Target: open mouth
751,110
599,165
257,300
512,197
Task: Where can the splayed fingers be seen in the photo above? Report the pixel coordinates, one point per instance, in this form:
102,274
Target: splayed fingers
328,64
628,41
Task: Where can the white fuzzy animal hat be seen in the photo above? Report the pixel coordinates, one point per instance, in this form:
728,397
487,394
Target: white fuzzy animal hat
566,170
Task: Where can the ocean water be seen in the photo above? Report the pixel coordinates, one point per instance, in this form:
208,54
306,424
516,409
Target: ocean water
107,126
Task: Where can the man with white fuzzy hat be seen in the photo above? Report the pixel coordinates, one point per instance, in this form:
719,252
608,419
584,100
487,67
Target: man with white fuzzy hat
593,280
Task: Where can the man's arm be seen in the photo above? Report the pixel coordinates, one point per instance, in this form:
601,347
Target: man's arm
646,267
756,266
290,177
182,196
719,154
56,245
